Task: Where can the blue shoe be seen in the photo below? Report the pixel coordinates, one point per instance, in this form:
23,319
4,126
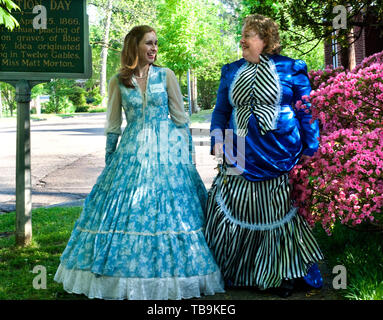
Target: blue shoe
314,277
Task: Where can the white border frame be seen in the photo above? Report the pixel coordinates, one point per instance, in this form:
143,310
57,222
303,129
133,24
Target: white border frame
36,76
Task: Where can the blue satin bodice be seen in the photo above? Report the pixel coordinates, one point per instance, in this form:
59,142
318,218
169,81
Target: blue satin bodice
275,153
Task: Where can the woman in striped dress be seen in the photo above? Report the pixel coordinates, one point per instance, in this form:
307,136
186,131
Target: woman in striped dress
253,228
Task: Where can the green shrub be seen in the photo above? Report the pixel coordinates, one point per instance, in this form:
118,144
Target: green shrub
58,105
78,96
94,96
83,108
207,93
97,109
97,99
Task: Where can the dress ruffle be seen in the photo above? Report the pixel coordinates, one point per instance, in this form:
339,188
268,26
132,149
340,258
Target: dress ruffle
132,254
116,288
255,254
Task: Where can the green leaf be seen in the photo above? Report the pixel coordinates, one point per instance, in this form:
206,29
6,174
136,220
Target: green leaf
6,18
10,5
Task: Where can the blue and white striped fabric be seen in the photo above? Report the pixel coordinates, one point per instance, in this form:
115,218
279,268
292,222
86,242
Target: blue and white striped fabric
256,92
256,234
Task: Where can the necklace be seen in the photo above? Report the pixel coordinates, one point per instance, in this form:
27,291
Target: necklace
143,77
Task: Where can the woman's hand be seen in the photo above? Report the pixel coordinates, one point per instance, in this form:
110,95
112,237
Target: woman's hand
304,158
218,151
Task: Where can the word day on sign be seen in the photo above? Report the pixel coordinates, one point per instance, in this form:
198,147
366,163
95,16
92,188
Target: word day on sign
53,4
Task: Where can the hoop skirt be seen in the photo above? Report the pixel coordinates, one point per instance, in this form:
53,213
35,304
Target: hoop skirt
140,234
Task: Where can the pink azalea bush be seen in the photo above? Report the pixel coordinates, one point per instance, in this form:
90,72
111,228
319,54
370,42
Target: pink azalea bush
375,58
320,77
344,179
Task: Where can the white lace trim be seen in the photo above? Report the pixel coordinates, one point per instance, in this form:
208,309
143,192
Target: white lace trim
141,233
115,288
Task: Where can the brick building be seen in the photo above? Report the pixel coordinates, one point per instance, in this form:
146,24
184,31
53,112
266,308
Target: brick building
369,42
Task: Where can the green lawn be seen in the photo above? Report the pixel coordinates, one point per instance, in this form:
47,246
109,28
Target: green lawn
362,255
360,252
202,116
51,230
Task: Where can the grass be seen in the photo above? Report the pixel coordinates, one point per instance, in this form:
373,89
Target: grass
361,253
51,231
202,116
97,109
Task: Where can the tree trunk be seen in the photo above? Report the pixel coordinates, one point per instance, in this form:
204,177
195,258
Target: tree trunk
194,92
38,106
11,107
351,50
104,51
189,92
351,47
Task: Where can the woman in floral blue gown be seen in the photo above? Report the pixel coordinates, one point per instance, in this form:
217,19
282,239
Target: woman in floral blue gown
140,234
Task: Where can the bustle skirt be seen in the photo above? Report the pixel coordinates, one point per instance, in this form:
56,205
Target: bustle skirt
257,236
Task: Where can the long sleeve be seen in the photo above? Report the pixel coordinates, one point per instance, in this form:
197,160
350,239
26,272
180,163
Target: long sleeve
113,119
177,110
301,87
222,111
176,102
114,111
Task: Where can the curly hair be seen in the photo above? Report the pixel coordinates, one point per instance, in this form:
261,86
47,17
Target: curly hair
267,30
129,53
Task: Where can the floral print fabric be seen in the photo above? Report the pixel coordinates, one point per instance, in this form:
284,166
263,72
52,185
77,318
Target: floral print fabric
144,218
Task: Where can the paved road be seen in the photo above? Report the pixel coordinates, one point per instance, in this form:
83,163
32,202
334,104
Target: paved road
67,157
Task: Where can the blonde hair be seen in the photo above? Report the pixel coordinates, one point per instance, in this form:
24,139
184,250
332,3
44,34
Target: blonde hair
267,30
129,53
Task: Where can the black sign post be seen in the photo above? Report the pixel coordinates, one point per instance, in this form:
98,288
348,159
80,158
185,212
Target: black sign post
52,41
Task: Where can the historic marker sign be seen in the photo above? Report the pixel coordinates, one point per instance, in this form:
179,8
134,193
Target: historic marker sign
51,42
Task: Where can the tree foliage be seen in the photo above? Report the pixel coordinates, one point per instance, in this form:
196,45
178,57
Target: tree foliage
297,16
197,36
297,39
125,15
6,18
8,101
190,36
